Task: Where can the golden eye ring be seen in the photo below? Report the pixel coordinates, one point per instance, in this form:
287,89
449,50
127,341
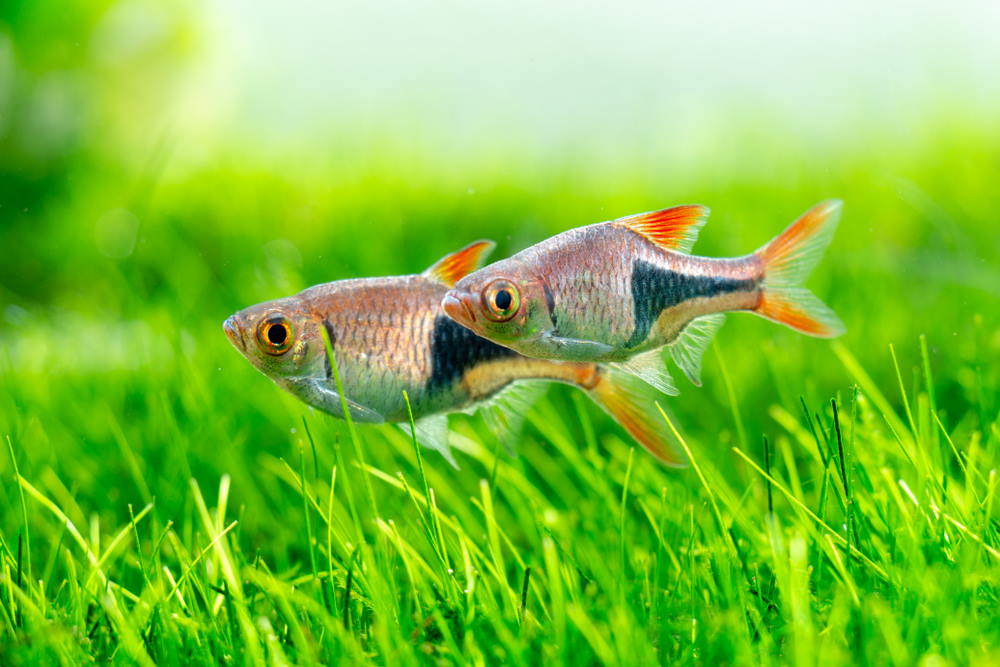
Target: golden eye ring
275,334
501,300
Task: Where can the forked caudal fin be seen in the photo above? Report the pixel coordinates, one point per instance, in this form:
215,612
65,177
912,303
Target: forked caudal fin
631,402
787,261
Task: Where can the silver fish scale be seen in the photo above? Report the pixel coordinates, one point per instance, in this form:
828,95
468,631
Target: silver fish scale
583,309
384,348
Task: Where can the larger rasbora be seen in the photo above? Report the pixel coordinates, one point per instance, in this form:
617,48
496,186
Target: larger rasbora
619,292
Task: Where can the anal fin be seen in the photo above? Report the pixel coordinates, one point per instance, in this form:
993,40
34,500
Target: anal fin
650,367
432,432
506,412
690,345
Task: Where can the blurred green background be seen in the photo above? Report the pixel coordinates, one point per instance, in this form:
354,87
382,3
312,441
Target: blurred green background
163,164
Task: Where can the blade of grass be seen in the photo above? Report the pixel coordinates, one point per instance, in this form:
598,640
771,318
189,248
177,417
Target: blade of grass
840,538
24,507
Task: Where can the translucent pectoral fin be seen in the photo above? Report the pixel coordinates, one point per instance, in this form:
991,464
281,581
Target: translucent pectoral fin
689,348
319,394
432,432
651,368
573,349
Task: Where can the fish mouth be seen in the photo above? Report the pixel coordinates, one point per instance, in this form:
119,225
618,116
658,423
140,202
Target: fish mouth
456,306
232,330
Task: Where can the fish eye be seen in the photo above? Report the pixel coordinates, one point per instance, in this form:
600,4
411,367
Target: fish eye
275,334
502,300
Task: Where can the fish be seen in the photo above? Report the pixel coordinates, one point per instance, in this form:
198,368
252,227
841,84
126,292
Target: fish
624,292
389,335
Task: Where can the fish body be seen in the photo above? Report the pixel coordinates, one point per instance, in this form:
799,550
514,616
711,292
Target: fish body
622,290
389,335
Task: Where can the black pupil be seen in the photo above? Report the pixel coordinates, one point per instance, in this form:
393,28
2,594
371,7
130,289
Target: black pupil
277,334
503,299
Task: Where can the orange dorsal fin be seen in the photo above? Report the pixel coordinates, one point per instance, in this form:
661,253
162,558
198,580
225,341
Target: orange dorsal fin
452,268
673,228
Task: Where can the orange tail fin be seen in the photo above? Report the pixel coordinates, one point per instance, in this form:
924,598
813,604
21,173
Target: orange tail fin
630,401
787,261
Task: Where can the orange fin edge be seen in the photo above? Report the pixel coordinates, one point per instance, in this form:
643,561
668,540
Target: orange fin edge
453,267
799,309
632,403
674,228
786,262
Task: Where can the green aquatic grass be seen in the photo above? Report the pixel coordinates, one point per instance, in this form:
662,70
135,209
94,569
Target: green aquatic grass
881,546
164,503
